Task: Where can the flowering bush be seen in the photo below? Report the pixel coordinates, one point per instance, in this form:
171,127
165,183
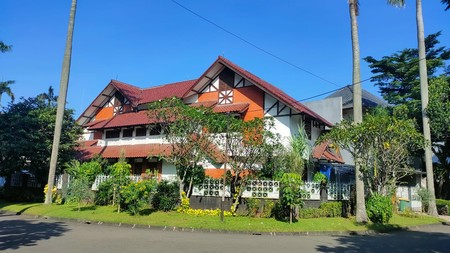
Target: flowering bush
136,196
56,198
185,208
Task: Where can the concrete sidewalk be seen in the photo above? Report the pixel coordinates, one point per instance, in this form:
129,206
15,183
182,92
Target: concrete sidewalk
446,218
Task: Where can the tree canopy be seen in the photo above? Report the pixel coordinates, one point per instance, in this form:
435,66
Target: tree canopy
27,134
382,145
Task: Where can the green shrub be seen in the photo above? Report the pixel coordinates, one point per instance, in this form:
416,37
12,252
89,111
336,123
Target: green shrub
167,196
308,213
379,208
331,208
280,211
79,192
425,196
262,208
136,196
105,193
443,206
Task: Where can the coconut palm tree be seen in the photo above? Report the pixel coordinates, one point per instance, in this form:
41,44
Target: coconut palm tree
4,88
361,214
446,2
432,210
424,97
61,102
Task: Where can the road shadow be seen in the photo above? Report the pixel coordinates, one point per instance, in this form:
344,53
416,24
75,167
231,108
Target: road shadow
16,233
402,241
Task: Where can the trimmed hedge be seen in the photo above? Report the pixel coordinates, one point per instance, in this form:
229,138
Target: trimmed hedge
326,209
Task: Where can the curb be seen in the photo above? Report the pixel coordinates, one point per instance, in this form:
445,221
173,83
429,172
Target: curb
192,230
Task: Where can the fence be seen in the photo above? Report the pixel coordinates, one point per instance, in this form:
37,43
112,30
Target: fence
98,180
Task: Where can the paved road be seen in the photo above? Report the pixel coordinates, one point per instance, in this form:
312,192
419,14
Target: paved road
25,234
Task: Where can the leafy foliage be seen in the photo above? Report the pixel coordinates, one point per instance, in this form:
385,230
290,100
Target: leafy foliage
186,129
166,197
136,195
105,193
382,145
320,178
379,208
80,192
290,192
86,171
27,135
119,173
397,75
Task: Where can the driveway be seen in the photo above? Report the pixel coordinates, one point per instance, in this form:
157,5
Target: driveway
27,234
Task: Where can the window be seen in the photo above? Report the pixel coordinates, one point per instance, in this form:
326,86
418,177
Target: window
112,134
127,132
141,131
155,129
307,126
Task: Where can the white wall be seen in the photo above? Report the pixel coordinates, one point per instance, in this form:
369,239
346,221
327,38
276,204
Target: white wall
330,108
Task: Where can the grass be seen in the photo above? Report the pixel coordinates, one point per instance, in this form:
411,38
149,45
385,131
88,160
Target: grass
174,219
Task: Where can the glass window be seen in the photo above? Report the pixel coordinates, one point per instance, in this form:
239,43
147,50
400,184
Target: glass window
112,134
128,132
141,131
155,129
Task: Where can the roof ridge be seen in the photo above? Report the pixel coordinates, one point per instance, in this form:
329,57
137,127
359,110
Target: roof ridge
134,86
162,85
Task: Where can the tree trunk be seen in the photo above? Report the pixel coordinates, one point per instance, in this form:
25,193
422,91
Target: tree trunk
432,210
361,215
65,73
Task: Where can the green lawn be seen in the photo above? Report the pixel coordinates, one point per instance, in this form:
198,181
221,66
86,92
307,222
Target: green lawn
174,219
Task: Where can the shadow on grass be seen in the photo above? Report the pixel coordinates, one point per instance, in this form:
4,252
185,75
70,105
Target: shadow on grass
147,211
384,228
84,208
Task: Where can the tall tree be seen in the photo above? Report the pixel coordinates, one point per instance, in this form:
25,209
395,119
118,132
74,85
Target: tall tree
4,86
446,2
361,214
432,210
65,73
26,137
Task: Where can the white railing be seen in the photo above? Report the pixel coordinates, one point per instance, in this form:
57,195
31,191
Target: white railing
102,178
98,180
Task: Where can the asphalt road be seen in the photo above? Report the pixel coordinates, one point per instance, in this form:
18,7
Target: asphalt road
27,234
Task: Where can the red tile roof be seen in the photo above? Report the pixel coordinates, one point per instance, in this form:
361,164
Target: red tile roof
125,119
88,149
324,151
204,103
166,91
129,151
138,96
273,90
236,107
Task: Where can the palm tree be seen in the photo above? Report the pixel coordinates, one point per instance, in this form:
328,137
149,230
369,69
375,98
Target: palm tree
432,210
4,88
361,214
61,102
4,48
446,2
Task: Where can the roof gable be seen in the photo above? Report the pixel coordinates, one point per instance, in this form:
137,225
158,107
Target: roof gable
215,69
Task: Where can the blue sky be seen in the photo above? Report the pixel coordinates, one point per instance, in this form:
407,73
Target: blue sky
148,43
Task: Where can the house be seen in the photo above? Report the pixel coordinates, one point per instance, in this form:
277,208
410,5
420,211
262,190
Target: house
116,122
339,105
